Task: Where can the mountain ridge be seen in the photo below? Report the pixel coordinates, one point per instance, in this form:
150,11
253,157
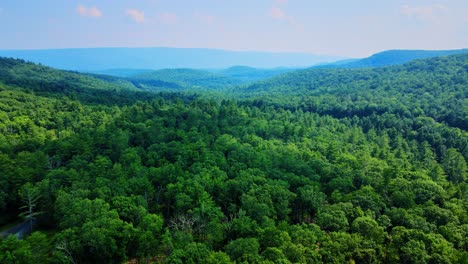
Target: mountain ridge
414,83
390,57
98,59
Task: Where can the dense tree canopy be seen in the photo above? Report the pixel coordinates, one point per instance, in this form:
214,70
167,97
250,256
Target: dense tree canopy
335,166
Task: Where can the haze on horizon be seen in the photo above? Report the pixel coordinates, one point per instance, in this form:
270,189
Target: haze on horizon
335,27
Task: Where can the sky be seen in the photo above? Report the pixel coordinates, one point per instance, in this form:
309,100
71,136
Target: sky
349,28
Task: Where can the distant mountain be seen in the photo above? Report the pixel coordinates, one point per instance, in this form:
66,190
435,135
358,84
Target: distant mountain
195,77
100,59
249,74
391,57
183,78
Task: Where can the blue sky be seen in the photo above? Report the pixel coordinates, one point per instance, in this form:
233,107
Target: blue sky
351,28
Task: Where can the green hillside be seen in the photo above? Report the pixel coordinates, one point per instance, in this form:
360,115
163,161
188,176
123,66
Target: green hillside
86,88
249,74
184,79
392,57
314,166
123,72
42,78
435,88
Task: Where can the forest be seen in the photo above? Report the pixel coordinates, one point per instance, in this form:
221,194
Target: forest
320,165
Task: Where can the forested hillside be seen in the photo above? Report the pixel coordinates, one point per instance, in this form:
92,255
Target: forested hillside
184,79
391,57
435,88
316,166
49,82
201,80
248,74
122,72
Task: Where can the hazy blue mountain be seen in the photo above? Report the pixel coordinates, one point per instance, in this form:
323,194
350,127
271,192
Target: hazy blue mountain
391,57
336,63
99,59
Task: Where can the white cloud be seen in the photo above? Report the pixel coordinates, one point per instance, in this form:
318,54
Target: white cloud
94,12
205,18
88,11
168,18
137,15
277,13
281,2
422,12
82,10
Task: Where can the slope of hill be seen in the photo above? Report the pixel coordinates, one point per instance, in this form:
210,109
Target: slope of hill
391,57
433,87
122,72
188,78
99,59
87,88
248,74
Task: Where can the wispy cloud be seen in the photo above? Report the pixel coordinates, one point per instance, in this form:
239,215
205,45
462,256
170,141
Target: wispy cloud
209,20
88,11
422,12
280,15
277,13
281,2
136,15
205,18
168,18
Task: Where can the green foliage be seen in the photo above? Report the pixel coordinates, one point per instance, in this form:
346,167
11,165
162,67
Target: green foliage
332,218
423,88
455,166
30,196
248,74
14,251
368,228
334,166
244,249
178,79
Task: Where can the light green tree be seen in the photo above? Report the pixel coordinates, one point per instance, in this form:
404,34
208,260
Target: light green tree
29,195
